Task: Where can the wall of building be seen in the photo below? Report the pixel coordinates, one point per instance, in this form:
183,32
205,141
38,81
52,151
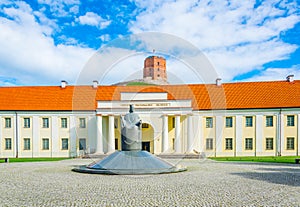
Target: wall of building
35,140
193,130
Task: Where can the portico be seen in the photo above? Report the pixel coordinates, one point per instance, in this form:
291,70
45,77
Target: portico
169,119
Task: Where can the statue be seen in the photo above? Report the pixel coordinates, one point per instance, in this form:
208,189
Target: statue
131,160
131,131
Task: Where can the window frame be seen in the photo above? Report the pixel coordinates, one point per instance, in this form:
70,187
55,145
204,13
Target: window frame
64,146
45,124
79,144
145,125
228,143
290,122
26,122
248,145
64,123
6,143
7,123
209,122
269,121
82,123
290,145
229,122
43,143
247,123
209,143
26,144
271,141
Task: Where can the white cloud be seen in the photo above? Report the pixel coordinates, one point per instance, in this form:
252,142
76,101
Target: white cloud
276,74
93,19
28,52
62,8
235,36
105,38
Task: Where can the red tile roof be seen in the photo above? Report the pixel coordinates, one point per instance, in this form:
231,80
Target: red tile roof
243,95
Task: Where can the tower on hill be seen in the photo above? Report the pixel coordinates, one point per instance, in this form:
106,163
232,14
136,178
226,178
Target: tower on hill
155,69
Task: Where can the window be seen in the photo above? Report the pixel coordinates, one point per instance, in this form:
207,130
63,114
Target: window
64,123
26,122
209,143
269,143
82,123
7,122
228,143
45,122
269,121
291,120
45,142
82,144
7,143
145,125
209,122
228,122
64,143
26,143
249,121
248,144
290,143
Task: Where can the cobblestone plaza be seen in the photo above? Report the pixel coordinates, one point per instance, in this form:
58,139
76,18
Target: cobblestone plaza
206,183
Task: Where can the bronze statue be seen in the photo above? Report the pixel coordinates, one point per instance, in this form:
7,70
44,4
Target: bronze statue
131,131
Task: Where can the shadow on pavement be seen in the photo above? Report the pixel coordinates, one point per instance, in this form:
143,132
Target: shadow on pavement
284,176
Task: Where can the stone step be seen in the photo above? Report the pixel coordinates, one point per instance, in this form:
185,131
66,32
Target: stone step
163,156
179,156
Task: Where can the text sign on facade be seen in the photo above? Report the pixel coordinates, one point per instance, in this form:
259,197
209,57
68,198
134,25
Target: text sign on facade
145,104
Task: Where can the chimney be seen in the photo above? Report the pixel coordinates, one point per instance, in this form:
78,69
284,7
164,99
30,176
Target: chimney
218,82
63,84
95,84
290,78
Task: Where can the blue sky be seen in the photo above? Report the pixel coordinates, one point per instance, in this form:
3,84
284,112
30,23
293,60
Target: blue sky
45,41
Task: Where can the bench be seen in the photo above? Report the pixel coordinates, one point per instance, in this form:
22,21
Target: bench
297,160
5,159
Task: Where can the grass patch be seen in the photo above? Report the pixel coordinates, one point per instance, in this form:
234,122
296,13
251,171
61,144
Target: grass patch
272,159
46,159
139,84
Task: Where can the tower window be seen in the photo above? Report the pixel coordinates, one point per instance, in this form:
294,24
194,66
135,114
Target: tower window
157,63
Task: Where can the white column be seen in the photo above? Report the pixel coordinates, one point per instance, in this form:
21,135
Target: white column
1,152
219,134
199,130
99,148
281,138
54,141
259,135
177,135
111,134
36,139
298,135
17,135
238,135
165,134
73,137
190,137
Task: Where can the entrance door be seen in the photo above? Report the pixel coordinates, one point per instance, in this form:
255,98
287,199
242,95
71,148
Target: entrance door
146,146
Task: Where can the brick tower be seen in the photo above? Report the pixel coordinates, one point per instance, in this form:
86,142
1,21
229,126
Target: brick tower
155,69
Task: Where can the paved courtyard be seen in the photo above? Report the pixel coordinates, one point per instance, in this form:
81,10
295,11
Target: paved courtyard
206,183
